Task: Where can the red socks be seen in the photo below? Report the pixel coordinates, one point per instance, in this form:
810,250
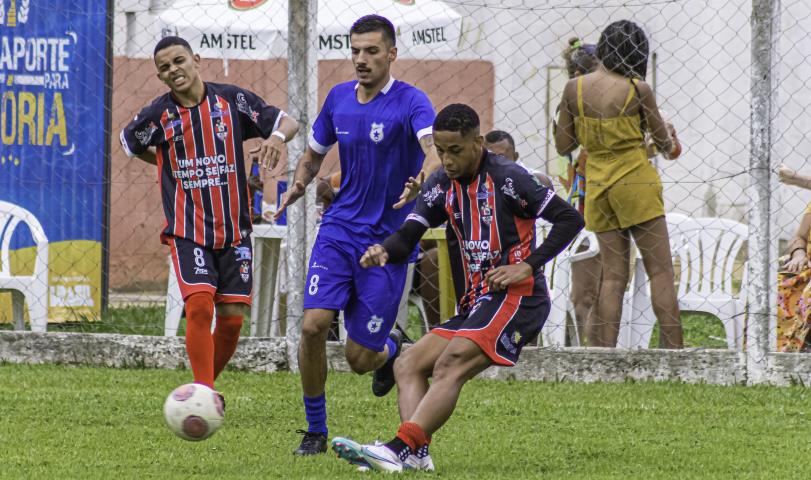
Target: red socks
199,344
226,337
413,435
209,354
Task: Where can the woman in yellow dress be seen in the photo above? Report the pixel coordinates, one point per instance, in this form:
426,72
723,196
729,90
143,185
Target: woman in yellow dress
608,112
794,279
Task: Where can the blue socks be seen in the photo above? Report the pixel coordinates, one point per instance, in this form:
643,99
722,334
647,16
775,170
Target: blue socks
315,409
392,347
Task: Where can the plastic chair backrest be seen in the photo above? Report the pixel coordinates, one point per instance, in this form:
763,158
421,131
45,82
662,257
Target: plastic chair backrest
10,217
707,249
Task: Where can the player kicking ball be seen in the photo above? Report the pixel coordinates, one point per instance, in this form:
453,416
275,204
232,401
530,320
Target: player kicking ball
194,135
490,205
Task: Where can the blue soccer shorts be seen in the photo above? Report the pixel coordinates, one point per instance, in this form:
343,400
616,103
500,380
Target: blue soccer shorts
369,297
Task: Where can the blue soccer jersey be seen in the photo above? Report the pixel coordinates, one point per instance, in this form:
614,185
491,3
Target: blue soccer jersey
378,145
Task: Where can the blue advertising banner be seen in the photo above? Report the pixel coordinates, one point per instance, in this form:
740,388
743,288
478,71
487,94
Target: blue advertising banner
53,84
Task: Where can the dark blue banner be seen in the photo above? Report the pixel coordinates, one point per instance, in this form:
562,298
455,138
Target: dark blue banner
53,68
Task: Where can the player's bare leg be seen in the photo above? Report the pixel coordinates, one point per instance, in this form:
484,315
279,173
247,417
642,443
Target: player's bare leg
604,318
460,361
361,359
653,242
312,358
413,369
312,350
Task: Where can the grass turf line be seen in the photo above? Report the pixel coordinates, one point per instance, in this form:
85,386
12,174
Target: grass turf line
82,422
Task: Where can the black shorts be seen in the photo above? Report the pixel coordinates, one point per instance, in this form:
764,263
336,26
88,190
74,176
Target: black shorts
500,324
226,273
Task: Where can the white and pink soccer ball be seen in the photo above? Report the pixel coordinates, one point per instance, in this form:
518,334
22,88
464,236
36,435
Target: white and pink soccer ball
193,412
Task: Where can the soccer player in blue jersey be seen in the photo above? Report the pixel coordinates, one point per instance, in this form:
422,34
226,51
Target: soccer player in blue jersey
383,130
490,205
194,135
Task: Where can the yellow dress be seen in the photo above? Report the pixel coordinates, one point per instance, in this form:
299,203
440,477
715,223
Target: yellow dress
624,188
794,306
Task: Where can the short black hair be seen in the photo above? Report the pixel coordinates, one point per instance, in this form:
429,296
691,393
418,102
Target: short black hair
498,135
375,23
623,49
167,42
456,117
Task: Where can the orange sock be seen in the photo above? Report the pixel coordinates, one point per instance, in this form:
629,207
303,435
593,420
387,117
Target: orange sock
199,344
412,435
226,336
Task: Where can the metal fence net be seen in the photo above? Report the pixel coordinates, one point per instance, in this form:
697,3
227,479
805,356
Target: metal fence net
506,59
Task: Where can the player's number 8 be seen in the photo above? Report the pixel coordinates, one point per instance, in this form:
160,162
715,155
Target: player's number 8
313,285
198,257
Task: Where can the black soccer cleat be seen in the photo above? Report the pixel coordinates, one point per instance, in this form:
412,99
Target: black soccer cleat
313,443
383,378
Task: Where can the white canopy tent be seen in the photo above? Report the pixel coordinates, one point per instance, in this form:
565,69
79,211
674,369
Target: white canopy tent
426,29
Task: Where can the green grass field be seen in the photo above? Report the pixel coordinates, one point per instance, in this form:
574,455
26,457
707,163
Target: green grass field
68,422
700,330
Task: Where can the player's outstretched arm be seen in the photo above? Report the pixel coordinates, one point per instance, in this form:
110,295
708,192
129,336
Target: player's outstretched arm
431,164
566,224
306,169
396,247
270,150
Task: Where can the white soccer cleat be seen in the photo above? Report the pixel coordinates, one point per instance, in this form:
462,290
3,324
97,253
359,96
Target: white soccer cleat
421,459
350,451
380,457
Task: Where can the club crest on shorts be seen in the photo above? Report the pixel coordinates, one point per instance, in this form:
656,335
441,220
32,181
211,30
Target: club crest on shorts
374,324
222,130
376,134
245,271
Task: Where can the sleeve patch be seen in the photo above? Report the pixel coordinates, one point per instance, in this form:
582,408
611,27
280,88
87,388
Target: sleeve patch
549,195
418,218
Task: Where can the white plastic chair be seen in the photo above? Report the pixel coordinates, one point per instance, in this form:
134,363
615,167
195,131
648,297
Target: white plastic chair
707,249
31,289
560,290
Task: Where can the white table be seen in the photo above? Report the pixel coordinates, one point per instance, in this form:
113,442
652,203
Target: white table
267,243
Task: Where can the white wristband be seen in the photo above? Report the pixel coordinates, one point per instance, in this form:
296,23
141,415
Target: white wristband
279,134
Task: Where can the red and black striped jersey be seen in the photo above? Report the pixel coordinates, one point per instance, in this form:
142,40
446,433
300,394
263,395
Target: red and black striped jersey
202,174
491,222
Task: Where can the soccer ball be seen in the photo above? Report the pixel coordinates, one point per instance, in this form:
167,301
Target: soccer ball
194,412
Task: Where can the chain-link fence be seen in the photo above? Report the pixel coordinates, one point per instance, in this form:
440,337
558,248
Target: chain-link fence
736,103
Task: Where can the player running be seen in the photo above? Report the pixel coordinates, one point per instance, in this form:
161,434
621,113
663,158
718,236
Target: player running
194,135
383,130
490,204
